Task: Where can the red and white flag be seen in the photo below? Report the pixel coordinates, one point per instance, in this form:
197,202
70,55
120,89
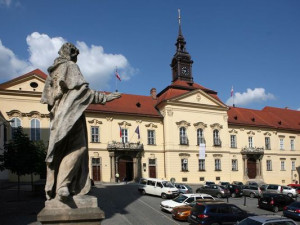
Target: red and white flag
118,76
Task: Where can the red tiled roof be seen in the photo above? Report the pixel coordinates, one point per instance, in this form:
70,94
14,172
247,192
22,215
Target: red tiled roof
128,105
271,117
37,72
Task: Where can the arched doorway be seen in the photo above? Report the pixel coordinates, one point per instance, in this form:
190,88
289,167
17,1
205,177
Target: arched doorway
251,166
125,168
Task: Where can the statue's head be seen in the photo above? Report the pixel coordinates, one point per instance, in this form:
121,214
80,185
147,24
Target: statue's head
69,51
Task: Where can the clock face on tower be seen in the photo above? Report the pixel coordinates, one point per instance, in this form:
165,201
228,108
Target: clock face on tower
185,71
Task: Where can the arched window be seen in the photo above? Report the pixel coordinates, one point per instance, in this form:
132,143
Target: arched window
217,140
15,123
35,130
200,137
183,136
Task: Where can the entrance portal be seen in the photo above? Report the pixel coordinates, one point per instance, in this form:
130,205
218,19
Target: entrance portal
125,168
251,166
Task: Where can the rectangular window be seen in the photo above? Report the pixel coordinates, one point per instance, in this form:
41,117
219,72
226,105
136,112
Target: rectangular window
183,136
234,165
269,165
151,137
293,165
267,143
282,165
233,141
292,144
281,143
184,165
95,134
124,133
217,164
201,164
250,141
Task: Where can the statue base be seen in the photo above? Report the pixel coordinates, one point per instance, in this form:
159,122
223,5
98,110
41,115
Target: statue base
70,211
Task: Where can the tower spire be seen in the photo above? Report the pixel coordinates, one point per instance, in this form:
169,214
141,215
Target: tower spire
179,23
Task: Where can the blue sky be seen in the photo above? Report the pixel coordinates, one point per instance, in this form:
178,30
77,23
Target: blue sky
252,45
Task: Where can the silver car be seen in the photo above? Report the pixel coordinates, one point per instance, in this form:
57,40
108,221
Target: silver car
289,191
252,191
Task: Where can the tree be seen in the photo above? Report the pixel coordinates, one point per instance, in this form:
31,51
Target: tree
22,156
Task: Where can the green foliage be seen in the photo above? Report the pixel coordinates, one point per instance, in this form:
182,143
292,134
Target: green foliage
22,156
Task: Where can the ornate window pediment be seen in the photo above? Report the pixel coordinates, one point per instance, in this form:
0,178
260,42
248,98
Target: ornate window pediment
151,125
216,126
200,125
217,155
233,131
14,113
34,114
124,124
95,122
267,134
183,123
183,155
250,132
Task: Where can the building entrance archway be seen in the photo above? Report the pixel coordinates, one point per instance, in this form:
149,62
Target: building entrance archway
251,166
125,168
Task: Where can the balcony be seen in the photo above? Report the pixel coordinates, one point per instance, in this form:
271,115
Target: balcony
127,146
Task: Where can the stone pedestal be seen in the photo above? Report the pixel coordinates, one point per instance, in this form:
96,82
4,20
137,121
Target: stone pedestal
75,210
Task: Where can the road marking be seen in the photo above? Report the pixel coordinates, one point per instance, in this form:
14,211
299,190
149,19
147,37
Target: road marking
158,212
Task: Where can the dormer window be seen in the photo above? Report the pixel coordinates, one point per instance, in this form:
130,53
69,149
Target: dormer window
34,85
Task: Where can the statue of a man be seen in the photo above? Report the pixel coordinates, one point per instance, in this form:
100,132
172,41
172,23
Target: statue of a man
67,94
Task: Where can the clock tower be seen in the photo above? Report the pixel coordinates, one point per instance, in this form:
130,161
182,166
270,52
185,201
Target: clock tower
181,63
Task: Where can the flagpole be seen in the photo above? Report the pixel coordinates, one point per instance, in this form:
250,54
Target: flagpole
116,79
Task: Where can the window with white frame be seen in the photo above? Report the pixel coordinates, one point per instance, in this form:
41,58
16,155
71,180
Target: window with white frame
16,122
234,163
282,165
293,165
217,140
184,164
217,164
233,141
269,165
250,142
151,137
124,133
95,134
35,130
201,164
281,144
200,136
292,144
183,136
267,143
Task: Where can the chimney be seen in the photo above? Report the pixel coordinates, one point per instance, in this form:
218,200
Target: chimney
153,93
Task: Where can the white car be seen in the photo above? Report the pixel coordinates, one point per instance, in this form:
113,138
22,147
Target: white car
289,191
183,199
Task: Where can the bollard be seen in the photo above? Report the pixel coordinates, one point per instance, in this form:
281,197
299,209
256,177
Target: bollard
244,200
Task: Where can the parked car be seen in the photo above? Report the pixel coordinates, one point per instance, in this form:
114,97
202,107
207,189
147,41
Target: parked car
274,202
224,183
295,186
235,190
267,220
254,183
289,191
273,188
183,199
252,191
238,183
183,188
208,183
292,210
214,190
182,212
157,187
216,213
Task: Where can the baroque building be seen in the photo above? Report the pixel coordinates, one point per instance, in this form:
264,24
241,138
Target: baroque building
183,132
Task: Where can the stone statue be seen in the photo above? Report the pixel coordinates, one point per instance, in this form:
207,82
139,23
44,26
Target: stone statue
67,94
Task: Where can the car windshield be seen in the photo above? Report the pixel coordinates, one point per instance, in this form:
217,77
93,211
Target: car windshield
249,221
180,198
167,184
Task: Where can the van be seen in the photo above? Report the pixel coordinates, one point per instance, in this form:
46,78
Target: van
153,186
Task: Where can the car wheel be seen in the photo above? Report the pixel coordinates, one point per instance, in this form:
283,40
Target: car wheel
290,195
143,192
164,195
252,195
219,195
275,209
233,195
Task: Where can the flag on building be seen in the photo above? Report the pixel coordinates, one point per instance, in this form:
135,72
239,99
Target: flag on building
120,131
118,76
137,130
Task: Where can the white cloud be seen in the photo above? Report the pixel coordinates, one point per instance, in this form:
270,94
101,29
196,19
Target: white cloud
97,66
250,96
5,2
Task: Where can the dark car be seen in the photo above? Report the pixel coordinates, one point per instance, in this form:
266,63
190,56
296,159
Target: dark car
274,202
267,220
292,211
216,213
235,190
214,190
